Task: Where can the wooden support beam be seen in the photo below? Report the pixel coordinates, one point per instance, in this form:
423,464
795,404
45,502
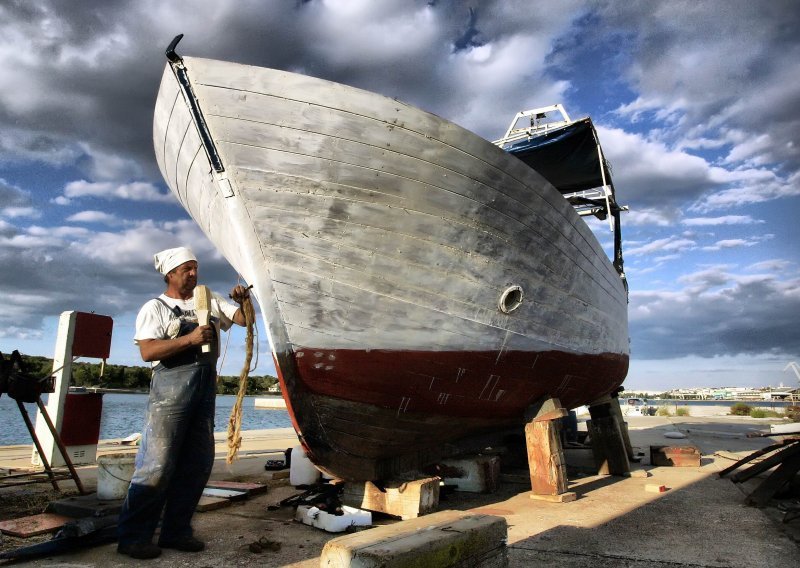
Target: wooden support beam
616,411
608,447
546,463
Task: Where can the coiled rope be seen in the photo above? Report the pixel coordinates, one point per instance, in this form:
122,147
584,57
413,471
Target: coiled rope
235,420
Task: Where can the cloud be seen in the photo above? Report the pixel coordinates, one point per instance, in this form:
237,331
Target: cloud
723,220
93,217
717,312
668,244
136,191
13,196
737,243
12,212
648,173
110,273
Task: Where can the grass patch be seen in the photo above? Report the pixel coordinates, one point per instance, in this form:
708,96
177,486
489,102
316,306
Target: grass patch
741,409
663,411
682,411
762,413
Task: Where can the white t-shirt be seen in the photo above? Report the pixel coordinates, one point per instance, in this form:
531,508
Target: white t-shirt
153,321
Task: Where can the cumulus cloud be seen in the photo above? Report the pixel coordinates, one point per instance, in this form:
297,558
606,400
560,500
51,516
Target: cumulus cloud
111,273
93,217
722,220
737,243
668,244
717,312
136,191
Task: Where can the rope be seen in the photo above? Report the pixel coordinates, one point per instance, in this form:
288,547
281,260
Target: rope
235,420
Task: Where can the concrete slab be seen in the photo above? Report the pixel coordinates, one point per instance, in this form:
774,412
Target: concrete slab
84,506
444,539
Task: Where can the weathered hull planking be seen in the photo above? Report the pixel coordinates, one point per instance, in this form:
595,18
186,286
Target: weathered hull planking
380,241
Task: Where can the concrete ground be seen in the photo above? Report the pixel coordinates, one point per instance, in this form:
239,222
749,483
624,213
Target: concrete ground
700,521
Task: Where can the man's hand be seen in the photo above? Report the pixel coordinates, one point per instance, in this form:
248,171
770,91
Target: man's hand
158,349
201,335
239,293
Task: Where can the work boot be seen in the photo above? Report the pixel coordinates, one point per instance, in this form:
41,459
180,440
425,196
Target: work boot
185,544
139,550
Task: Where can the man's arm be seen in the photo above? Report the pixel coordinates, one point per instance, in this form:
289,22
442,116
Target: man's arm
159,349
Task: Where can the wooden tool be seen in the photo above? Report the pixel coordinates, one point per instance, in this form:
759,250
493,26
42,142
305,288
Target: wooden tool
202,307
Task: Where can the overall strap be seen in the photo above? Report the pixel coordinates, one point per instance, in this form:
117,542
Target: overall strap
175,310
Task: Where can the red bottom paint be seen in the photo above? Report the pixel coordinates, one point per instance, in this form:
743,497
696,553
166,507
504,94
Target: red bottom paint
367,414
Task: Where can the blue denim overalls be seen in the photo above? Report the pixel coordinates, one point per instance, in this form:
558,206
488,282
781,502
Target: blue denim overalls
176,454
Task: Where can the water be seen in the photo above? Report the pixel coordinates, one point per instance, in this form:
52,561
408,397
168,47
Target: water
123,414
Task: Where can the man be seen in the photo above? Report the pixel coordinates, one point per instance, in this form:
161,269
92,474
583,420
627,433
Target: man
177,448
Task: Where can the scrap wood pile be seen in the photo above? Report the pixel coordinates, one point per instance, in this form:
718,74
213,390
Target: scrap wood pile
784,457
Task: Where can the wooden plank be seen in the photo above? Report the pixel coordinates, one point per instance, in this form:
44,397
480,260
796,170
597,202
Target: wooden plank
211,504
249,488
230,494
33,525
767,463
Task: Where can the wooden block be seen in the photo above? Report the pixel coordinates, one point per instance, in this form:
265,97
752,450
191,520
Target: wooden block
443,539
211,503
640,473
404,499
33,525
249,488
651,488
477,474
567,497
675,456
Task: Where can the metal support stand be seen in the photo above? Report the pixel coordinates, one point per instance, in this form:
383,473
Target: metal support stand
52,476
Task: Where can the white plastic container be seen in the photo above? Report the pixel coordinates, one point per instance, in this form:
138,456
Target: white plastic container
302,471
114,472
332,523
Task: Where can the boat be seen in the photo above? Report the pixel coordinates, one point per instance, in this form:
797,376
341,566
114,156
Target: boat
421,287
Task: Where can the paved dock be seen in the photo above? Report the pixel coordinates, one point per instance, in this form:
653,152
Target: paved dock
700,521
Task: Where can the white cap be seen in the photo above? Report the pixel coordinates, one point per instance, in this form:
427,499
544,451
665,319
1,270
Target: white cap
166,260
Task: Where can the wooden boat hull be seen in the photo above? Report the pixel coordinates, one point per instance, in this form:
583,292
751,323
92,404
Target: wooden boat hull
386,247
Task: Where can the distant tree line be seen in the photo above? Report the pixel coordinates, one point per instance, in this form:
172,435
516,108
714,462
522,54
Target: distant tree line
134,378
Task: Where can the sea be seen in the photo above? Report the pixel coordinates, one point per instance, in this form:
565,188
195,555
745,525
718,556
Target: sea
123,414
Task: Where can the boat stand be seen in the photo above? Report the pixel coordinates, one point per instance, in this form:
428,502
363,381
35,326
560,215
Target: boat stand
611,446
785,455
52,476
546,462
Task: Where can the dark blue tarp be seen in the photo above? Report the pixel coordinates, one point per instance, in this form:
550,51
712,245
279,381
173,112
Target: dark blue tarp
566,157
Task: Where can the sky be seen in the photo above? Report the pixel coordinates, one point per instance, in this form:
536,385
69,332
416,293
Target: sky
697,105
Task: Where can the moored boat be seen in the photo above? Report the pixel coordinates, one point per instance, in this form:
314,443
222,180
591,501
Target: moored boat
421,287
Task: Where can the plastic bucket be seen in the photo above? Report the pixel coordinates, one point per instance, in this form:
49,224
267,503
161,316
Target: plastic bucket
301,470
114,472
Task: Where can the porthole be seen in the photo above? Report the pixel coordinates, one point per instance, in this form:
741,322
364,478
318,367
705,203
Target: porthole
510,299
